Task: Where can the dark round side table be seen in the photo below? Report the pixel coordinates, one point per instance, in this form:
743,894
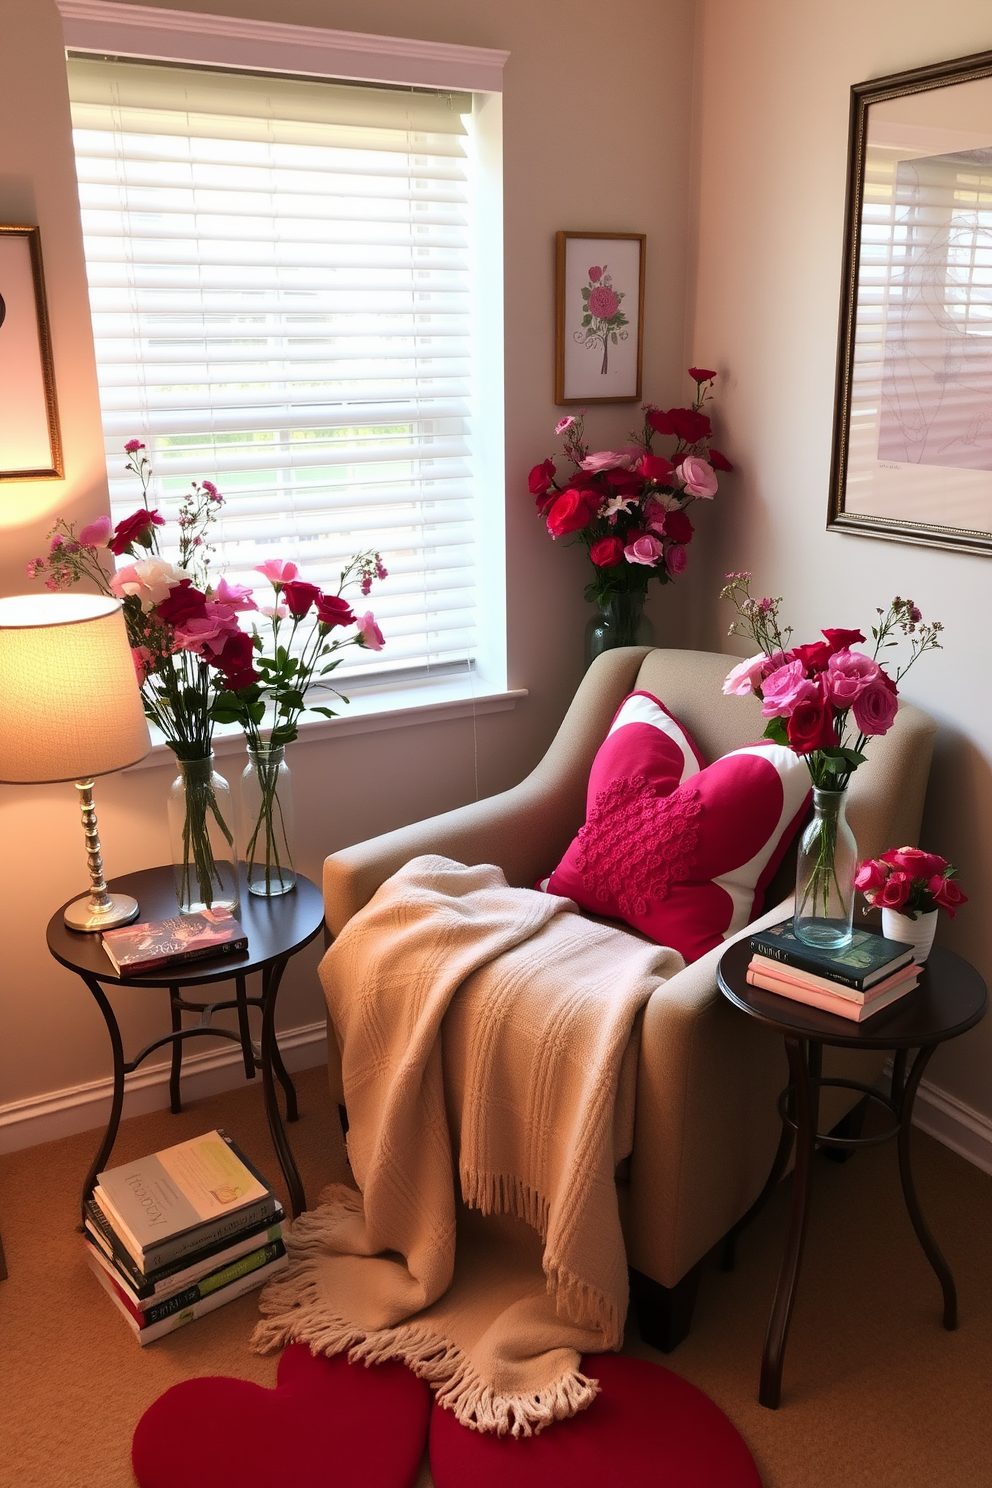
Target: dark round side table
276,929
950,999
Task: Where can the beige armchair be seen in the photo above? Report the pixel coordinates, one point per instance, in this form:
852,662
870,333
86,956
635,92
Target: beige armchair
706,1125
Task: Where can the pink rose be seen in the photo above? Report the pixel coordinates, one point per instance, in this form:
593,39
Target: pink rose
946,894
746,676
895,891
645,548
150,579
97,534
369,634
607,553
603,303
914,861
235,596
876,708
847,676
871,876
784,689
698,477
207,634
610,460
276,571
595,274
676,559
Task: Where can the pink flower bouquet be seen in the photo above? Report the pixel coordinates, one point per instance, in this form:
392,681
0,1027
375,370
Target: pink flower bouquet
629,506
911,882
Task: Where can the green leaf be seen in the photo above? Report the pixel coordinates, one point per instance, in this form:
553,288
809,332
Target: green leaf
776,731
327,712
587,320
292,698
256,712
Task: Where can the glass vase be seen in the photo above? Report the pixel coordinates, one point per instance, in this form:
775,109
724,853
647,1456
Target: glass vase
619,621
267,801
201,828
825,869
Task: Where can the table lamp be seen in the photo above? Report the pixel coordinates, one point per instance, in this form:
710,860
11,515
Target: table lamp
70,709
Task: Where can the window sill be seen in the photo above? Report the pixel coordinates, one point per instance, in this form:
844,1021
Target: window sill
401,706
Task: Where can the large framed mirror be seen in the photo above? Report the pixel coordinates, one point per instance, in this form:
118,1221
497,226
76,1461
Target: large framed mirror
912,447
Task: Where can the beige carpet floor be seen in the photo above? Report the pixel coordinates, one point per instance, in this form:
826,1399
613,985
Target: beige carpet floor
875,1392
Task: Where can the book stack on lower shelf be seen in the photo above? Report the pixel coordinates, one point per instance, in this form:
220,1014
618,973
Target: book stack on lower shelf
176,1235
854,982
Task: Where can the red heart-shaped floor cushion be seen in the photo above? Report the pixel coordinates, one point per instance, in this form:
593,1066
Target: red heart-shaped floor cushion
648,1428
327,1424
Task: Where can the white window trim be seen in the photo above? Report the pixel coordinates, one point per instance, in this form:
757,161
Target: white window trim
271,46
268,46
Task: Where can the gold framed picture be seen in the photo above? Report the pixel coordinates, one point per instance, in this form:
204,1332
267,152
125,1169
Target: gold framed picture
30,442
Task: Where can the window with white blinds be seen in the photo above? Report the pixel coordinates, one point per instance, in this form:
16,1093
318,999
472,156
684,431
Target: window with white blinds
281,282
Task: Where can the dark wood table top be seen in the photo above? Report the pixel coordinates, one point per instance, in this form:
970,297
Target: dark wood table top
950,999
275,928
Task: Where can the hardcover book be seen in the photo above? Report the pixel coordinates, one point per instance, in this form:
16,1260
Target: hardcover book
157,1285
147,1312
182,1199
154,944
830,1002
785,971
867,959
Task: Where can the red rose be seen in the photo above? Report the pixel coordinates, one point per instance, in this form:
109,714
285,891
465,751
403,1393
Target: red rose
946,894
235,662
182,603
814,657
657,468
607,553
299,596
676,559
701,374
689,424
137,528
333,610
894,893
624,482
871,876
718,461
572,511
540,478
840,640
660,421
678,527
915,862
810,726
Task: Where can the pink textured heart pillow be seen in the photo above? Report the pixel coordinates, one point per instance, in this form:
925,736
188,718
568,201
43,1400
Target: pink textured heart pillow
687,863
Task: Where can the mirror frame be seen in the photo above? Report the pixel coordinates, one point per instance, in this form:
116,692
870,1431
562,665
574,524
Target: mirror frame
877,90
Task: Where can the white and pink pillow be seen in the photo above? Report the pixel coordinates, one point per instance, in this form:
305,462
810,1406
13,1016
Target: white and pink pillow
680,851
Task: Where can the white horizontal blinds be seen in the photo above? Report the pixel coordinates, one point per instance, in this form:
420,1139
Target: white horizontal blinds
925,309
279,281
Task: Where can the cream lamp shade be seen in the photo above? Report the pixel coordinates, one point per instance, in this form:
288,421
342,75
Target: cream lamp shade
70,709
69,701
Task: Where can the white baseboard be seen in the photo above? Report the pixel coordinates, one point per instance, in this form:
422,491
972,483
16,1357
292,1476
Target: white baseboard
965,1131
60,1113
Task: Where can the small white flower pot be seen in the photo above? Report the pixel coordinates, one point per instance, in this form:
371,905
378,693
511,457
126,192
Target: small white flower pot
918,933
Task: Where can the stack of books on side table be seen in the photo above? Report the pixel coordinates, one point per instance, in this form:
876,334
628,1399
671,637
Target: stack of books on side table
172,1236
854,982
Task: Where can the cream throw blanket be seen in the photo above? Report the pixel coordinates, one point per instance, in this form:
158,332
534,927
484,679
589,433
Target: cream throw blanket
499,1020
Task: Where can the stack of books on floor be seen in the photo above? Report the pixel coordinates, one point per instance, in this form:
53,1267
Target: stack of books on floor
854,982
175,1235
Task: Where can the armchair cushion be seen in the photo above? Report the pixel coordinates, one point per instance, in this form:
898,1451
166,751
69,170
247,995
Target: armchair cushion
682,854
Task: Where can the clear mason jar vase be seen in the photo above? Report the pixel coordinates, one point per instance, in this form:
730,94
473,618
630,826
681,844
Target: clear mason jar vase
825,871
267,807
201,831
619,621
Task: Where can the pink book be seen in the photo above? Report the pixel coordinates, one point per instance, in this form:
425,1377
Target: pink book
794,977
830,1002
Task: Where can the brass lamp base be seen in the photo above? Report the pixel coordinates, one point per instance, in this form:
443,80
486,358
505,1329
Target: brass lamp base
83,914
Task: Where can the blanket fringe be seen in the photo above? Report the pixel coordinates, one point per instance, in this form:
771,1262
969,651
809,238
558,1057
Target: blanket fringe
505,1193
293,1312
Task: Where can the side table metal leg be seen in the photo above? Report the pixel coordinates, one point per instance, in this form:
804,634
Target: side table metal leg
175,1073
271,978
117,1104
930,1247
270,1054
802,1063
241,992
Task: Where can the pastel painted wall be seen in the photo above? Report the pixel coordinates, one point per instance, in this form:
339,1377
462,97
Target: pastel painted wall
769,164
592,141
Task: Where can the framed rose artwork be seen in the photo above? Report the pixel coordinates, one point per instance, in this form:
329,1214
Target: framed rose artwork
599,317
912,448
30,444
